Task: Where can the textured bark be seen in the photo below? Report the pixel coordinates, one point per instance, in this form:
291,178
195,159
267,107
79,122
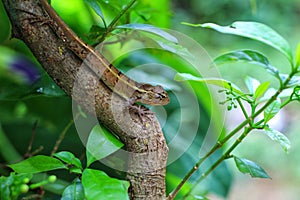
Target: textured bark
144,140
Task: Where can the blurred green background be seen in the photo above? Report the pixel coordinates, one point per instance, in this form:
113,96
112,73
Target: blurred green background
22,103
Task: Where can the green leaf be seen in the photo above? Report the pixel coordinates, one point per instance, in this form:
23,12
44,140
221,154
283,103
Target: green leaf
298,55
74,191
10,186
68,158
196,197
97,185
101,143
272,110
251,84
37,164
261,89
175,48
278,137
213,81
5,183
150,29
256,31
248,56
294,81
96,8
249,167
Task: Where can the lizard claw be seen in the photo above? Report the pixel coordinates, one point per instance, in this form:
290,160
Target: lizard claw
140,111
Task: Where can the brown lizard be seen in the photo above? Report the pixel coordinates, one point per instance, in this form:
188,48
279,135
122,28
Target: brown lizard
118,82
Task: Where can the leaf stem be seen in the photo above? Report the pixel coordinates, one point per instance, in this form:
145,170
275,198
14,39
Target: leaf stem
225,156
112,25
63,133
221,142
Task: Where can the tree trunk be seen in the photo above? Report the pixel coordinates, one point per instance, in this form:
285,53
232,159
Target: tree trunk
144,139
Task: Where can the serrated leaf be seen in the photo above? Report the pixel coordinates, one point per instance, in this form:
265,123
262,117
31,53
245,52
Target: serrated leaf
261,89
256,31
101,143
97,185
150,29
68,158
213,81
272,110
73,191
249,167
37,164
278,137
248,56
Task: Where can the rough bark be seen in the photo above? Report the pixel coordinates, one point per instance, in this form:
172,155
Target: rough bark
144,140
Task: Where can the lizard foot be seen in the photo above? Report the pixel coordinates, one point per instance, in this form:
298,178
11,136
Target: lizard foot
141,111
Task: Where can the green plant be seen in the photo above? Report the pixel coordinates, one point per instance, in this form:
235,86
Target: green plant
89,182
261,98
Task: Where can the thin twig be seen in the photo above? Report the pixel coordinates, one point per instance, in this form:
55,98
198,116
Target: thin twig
29,148
221,142
112,25
63,133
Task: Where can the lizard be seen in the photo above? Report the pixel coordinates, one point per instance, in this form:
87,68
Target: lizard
132,91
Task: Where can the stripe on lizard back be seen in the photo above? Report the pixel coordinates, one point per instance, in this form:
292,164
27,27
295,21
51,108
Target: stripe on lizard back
128,88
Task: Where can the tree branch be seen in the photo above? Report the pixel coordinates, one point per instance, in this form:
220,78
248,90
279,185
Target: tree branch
144,140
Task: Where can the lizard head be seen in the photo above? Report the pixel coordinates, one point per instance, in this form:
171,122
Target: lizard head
153,95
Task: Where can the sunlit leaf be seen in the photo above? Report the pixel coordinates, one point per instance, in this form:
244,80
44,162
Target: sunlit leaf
251,84
261,89
68,158
150,29
96,8
97,185
101,143
248,56
256,31
278,137
175,48
272,110
196,197
298,56
249,167
213,81
37,164
73,191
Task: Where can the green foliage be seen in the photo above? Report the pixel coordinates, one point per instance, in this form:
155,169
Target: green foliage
214,81
37,164
14,185
278,137
272,110
70,159
262,98
256,31
247,56
150,29
74,191
261,94
97,185
248,167
298,56
101,143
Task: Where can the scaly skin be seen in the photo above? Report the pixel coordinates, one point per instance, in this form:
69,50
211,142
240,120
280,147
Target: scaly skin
118,82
